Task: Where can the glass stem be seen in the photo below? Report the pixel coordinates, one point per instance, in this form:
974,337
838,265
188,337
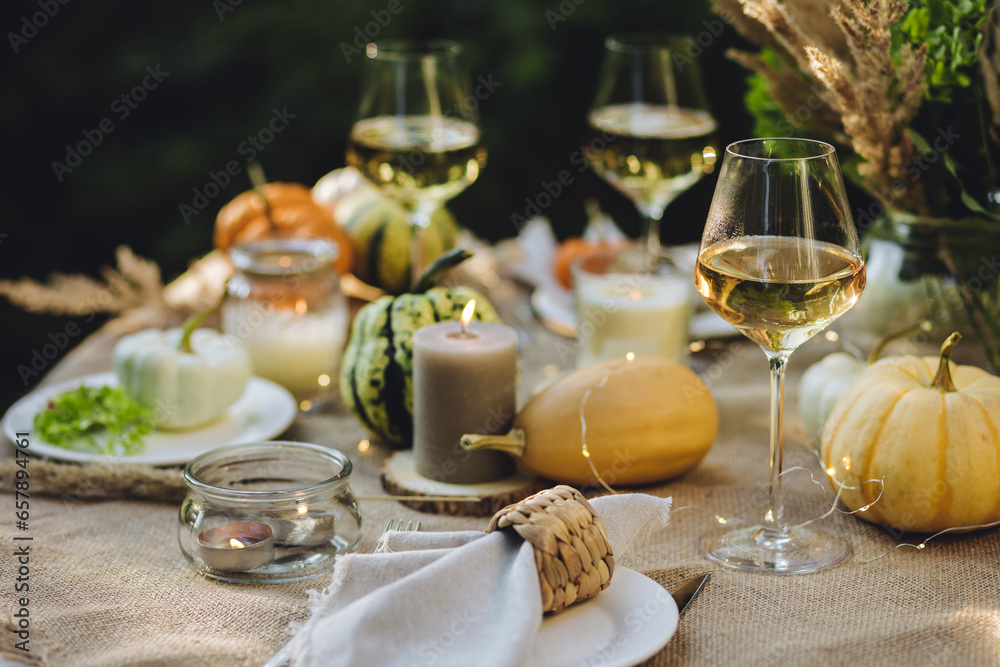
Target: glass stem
653,235
652,215
419,220
774,520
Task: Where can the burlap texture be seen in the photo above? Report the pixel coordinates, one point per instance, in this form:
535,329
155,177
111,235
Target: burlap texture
109,586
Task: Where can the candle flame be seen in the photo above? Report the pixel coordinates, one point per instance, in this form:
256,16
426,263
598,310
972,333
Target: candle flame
301,306
236,544
467,313
302,509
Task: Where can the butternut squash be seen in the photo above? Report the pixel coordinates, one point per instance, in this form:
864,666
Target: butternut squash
648,419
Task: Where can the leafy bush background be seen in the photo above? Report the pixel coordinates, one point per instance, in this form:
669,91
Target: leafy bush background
226,76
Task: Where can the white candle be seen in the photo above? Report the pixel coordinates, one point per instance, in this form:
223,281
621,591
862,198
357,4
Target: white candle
647,313
464,381
300,352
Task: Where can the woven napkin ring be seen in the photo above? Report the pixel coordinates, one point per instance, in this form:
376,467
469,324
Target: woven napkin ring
572,550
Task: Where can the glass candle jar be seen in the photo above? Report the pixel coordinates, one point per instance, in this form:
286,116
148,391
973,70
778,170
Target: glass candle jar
268,512
628,301
284,303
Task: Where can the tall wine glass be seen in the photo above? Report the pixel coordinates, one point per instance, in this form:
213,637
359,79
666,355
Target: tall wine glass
650,133
416,135
779,260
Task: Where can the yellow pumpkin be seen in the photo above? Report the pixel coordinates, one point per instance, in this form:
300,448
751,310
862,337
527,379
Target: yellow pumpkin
930,430
648,419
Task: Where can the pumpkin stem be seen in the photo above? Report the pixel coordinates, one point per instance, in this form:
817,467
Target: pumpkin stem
942,379
439,267
196,320
256,174
513,443
923,325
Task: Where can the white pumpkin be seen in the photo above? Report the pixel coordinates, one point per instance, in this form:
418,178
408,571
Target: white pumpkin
821,386
185,387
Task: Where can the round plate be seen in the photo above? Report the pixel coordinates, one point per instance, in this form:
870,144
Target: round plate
264,411
624,624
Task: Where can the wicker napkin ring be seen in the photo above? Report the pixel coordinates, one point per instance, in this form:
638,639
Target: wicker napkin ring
572,550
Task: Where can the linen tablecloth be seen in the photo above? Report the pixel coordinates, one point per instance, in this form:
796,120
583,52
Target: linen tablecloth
108,585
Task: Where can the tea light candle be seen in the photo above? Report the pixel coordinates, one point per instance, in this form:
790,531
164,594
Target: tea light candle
237,546
464,381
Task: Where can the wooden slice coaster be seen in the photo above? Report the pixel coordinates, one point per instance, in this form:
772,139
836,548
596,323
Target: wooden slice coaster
400,478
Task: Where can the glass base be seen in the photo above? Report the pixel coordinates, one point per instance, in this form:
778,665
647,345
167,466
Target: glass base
759,549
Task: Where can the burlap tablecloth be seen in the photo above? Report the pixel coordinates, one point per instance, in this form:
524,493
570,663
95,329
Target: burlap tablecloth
108,585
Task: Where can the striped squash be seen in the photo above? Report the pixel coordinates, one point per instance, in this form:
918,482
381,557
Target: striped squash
380,236
376,376
379,229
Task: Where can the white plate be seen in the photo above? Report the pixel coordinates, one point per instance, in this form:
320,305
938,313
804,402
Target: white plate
264,411
624,624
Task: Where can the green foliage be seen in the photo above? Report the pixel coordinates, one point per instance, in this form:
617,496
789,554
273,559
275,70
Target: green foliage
953,32
101,420
765,111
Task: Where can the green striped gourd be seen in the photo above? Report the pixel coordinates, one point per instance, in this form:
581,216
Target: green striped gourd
376,376
380,230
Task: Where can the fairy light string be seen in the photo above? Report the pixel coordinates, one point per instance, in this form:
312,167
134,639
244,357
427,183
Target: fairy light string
583,429
830,472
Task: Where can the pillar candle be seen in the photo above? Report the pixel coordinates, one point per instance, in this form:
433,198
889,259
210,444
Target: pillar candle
463,382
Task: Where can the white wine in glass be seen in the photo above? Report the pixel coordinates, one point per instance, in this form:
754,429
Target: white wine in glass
649,132
779,260
386,148
414,136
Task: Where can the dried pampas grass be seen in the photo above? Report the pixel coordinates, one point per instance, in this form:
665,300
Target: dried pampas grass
841,53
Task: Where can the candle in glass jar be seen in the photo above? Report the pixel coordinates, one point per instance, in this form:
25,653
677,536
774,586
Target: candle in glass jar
300,352
624,305
286,306
464,381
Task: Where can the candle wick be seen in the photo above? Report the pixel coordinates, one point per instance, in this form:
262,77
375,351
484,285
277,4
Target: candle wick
461,324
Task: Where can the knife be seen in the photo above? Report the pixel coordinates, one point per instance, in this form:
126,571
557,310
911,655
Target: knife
686,592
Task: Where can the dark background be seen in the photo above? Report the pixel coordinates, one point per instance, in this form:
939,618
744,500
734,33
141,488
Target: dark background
230,64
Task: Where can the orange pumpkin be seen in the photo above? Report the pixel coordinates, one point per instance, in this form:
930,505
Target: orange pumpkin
293,214
572,248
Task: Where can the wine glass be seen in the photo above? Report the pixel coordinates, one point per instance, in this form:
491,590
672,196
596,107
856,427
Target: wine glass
649,131
416,135
779,260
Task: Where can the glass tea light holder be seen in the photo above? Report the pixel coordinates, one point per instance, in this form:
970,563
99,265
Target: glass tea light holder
631,301
285,305
269,512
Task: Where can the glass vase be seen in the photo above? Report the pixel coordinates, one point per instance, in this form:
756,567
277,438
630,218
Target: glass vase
945,271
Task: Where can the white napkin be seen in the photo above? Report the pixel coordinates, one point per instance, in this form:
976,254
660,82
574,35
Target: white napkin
462,598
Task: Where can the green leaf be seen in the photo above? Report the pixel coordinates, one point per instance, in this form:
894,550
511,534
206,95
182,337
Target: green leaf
101,420
952,32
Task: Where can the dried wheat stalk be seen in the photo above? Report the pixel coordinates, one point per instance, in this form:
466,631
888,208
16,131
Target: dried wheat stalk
841,53
133,291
